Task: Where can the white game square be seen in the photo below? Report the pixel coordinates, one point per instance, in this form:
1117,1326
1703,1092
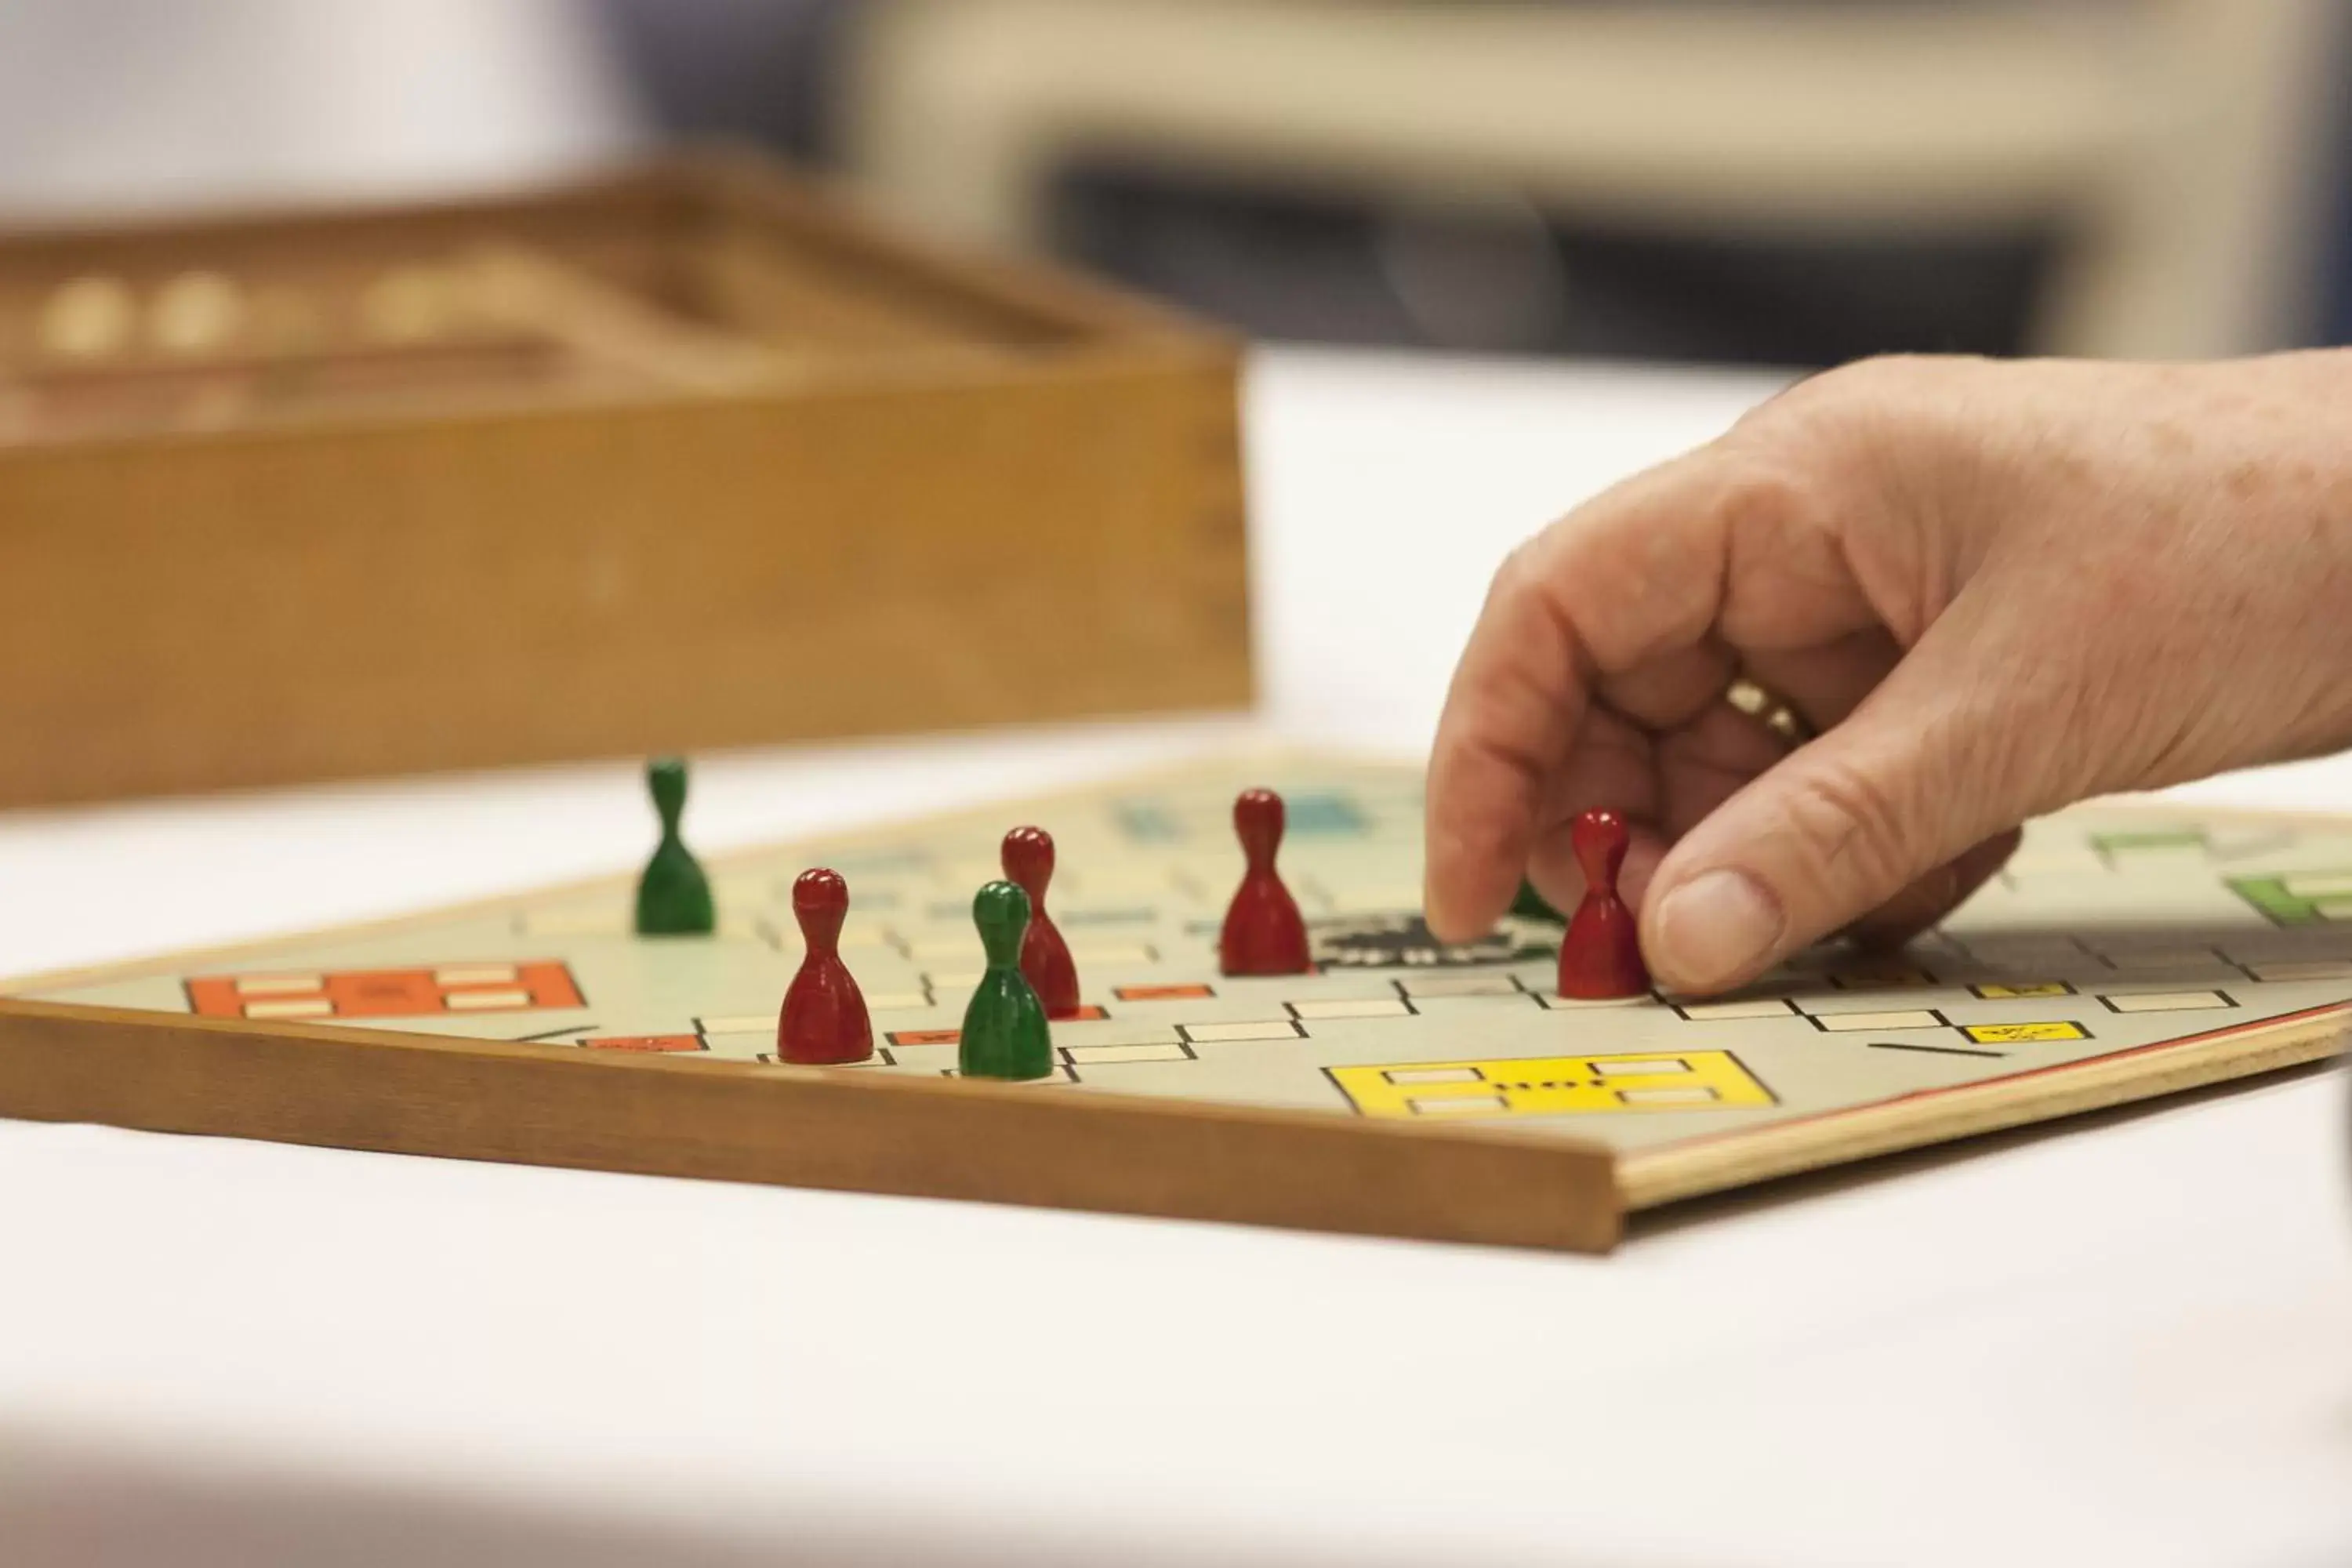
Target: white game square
1668,1094
1155,1051
2162,958
1456,1104
1461,985
279,985
2306,969
475,974
753,1024
2167,1002
486,1001
1368,1007
1110,1032
1755,1007
290,1007
1854,1023
1845,1003
1244,1029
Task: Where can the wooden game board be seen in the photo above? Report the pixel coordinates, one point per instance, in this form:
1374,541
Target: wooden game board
1406,1089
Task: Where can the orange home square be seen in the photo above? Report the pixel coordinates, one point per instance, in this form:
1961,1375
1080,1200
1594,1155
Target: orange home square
387,993
644,1043
1161,993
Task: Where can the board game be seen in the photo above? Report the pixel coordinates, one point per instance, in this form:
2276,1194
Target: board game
1403,1088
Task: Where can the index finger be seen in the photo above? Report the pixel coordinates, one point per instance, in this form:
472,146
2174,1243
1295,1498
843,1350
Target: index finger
1635,573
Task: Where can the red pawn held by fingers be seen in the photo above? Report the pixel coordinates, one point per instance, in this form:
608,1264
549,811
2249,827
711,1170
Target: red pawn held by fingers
1601,957
1263,933
1046,961
824,1022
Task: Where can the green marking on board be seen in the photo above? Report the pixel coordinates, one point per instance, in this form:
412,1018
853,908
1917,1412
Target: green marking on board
1533,906
2112,844
2298,898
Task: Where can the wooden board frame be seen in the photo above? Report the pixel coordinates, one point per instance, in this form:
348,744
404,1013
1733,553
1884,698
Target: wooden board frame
556,1105
805,1127
856,485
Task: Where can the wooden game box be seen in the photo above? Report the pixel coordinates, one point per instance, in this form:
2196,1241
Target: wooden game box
688,456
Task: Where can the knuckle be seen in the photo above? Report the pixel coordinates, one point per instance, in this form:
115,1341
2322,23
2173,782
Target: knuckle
1763,500
1518,567
1855,394
1514,576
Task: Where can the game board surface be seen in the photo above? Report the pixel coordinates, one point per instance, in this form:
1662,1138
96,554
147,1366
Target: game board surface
2125,952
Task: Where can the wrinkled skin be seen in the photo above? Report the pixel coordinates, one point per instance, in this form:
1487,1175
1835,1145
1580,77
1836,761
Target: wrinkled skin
1994,588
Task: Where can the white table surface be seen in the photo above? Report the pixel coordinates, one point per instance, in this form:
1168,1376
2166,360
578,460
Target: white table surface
2129,1343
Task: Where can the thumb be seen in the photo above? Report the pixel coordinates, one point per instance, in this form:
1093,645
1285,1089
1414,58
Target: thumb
1936,761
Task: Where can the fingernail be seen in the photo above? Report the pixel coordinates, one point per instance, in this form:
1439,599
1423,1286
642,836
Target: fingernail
1716,928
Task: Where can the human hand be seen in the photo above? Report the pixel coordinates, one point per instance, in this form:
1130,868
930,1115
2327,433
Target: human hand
1993,587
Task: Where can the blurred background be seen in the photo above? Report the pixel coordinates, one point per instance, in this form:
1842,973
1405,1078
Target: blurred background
1721,180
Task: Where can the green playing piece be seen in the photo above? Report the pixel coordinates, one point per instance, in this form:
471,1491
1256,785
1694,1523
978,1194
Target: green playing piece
1532,905
1005,1031
673,896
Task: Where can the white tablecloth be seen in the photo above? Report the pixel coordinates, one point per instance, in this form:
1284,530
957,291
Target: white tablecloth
2128,1342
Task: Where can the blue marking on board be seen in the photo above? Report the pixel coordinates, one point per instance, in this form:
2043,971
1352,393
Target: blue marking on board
1323,815
855,860
1148,822
1103,917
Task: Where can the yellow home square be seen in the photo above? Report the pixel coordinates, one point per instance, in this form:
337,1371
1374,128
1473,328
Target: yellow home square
1993,992
2020,1034
1552,1086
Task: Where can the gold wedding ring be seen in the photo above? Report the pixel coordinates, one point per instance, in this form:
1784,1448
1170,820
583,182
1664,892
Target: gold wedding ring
1768,708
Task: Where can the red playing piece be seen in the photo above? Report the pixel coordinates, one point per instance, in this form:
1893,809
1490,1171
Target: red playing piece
1601,957
1045,961
823,1020
1263,933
